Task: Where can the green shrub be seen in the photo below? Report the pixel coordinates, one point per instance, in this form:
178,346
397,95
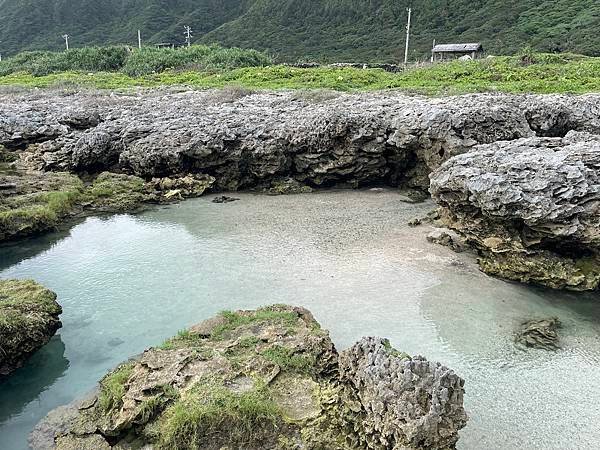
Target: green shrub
197,58
90,59
132,62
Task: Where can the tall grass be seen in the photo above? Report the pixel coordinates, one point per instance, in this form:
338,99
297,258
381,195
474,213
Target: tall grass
195,58
132,62
92,59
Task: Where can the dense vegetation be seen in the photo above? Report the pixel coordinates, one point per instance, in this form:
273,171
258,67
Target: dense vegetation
134,63
527,72
324,30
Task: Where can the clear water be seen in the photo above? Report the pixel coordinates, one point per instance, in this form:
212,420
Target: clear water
128,282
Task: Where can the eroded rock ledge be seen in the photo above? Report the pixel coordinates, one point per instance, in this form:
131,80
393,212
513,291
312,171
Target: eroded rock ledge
248,140
530,206
28,319
264,379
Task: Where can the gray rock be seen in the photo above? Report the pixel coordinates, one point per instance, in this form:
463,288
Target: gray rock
407,402
447,238
530,203
251,140
371,397
541,334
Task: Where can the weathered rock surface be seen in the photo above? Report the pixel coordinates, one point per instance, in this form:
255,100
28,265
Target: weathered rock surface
531,206
28,319
541,333
264,379
32,201
255,139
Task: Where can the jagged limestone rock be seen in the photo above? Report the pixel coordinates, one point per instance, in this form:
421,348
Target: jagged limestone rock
264,379
541,333
531,207
406,402
28,319
348,139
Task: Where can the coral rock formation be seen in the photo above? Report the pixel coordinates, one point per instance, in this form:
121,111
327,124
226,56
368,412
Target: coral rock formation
531,206
28,319
264,379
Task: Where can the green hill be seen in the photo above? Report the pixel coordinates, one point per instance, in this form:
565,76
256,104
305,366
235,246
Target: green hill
324,30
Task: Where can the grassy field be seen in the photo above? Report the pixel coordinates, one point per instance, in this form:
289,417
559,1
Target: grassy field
527,72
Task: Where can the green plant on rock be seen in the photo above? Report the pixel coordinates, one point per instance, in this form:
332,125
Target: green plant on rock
38,211
209,409
234,320
112,387
22,303
287,359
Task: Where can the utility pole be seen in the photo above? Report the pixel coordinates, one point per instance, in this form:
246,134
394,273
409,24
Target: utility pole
407,36
66,38
188,35
139,39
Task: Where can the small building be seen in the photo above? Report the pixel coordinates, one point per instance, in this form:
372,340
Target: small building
165,45
444,52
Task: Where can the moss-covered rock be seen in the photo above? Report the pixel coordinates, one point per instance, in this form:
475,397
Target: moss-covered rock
33,202
544,268
288,186
28,319
265,379
112,192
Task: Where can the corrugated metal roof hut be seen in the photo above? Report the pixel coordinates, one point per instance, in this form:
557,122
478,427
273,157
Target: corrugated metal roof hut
442,52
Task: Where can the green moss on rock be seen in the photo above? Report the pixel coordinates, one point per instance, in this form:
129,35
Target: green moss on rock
209,411
115,192
268,379
37,203
28,319
544,268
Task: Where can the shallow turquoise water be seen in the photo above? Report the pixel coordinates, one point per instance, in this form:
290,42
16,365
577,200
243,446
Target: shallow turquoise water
129,282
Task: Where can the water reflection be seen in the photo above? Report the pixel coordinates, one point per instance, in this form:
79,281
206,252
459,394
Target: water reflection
38,374
14,252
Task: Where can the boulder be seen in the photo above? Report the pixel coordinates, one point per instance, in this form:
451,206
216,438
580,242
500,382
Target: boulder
28,319
264,379
530,206
539,333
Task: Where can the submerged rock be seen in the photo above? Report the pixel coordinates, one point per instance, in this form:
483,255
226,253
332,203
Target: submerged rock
28,319
224,199
265,379
530,206
539,334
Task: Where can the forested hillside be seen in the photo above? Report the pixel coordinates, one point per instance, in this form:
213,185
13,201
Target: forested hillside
325,30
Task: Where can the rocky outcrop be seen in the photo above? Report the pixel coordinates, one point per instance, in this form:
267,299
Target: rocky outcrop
541,334
32,201
530,206
28,319
264,379
342,139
